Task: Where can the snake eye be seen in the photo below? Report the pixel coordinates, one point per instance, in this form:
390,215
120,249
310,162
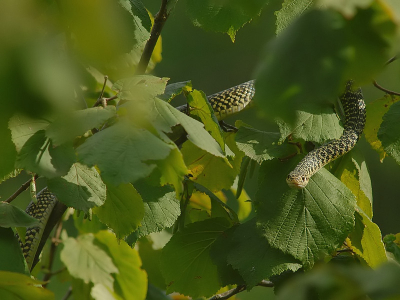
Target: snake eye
303,178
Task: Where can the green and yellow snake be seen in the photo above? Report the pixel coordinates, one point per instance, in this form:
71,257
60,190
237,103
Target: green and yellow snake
226,103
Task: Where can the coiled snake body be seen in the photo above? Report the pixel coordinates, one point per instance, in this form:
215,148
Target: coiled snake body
226,103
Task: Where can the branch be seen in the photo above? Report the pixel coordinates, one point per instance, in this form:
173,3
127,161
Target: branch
238,289
159,21
385,90
228,294
23,187
69,292
53,247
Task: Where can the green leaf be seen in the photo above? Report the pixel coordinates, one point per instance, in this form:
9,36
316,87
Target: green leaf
261,145
67,127
165,117
215,173
392,245
86,225
138,9
82,188
185,260
201,108
140,87
15,286
11,258
174,89
340,51
154,293
39,156
130,281
251,254
121,152
161,208
389,132
172,170
8,154
366,240
123,210
347,8
318,123
305,223
353,172
375,111
23,127
291,9
150,256
12,216
226,17
218,207
219,252
101,39
87,261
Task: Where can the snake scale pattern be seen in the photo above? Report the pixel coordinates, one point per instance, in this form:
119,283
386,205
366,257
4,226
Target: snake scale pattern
226,103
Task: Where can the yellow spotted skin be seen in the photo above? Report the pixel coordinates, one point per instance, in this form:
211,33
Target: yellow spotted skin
230,101
41,211
355,116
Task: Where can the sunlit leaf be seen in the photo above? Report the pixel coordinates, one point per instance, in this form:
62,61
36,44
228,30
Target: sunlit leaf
87,261
130,280
389,132
15,286
366,240
81,188
291,9
375,111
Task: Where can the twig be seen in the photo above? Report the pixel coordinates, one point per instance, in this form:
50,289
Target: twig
53,247
20,190
238,289
159,21
228,294
391,60
69,292
385,90
266,283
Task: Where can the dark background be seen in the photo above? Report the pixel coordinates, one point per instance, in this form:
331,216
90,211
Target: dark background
213,63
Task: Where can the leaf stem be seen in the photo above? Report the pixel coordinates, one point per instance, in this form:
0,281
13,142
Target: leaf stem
159,21
238,289
385,90
53,247
22,188
69,293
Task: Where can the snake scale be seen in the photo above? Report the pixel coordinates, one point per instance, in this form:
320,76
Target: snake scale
226,103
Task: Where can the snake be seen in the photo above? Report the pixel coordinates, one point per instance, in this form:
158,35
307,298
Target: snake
224,104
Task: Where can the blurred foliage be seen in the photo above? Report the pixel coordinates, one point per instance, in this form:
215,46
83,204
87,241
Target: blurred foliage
109,143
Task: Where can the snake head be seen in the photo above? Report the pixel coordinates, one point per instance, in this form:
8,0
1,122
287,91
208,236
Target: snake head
296,181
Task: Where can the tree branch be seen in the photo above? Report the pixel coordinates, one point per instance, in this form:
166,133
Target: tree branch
159,21
238,289
385,90
23,187
53,247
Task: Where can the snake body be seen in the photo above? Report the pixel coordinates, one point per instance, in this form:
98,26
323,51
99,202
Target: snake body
226,103
355,116
41,210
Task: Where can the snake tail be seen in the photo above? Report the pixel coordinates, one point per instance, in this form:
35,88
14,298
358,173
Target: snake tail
44,210
353,104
